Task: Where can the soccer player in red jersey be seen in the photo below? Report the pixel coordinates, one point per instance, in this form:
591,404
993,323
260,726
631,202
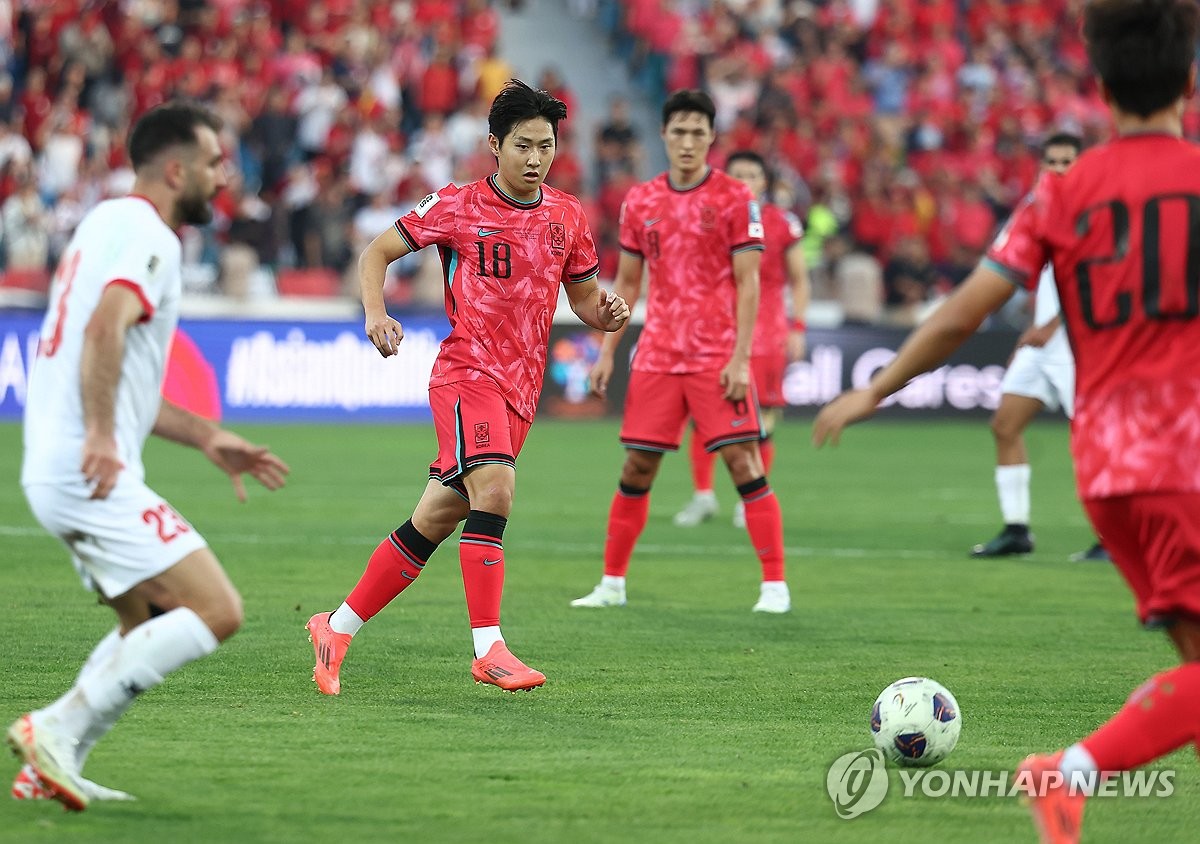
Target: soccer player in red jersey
1122,229
699,232
777,339
507,242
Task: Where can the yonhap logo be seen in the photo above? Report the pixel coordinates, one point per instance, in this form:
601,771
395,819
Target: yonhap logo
857,782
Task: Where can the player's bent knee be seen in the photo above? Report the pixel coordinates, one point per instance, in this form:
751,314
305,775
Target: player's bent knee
1185,633
1005,428
224,615
743,462
640,468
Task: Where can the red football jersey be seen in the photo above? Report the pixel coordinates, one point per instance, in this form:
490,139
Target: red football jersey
503,262
1122,229
781,231
687,239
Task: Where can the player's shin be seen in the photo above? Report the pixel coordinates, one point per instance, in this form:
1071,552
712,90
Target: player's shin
626,521
481,555
145,656
764,523
766,447
394,564
1162,715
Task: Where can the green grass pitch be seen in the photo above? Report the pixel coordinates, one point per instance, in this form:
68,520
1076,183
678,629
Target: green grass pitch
682,717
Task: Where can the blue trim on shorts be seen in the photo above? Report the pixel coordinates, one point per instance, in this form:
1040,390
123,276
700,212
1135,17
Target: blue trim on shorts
721,442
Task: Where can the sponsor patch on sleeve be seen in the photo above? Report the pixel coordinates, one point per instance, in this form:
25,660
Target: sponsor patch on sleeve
425,204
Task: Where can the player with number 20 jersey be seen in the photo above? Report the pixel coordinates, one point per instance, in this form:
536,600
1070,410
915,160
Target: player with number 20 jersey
1122,230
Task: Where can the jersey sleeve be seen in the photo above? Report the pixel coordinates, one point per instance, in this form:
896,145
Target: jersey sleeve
432,221
582,263
795,229
1019,251
629,232
746,230
143,269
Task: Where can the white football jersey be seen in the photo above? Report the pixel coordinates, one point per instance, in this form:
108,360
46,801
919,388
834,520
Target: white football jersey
121,241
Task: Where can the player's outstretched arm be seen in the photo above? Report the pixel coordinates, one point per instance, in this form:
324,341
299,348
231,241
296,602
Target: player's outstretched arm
230,453
927,347
596,307
627,287
380,328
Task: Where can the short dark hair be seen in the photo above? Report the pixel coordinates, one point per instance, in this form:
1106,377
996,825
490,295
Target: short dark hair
747,155
518,102
1142,49
1063,139
689,100
170,124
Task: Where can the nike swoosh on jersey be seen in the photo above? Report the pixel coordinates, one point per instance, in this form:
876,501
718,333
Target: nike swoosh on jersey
652,221
492,562
489,232
737,423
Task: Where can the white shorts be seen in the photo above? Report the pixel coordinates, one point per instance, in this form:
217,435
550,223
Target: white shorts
1046,374
119,542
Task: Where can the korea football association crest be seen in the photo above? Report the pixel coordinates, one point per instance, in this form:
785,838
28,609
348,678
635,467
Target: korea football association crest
483,436
558,237
708,218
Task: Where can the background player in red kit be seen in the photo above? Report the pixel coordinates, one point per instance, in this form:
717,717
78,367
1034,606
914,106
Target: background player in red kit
507,242
699,231
1122,229
777,339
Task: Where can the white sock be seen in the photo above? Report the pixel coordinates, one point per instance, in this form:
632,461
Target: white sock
1012,485
614,582
484,638
1076,760
345,620
71,713
706,495
148,653
96,730
101,653
774,586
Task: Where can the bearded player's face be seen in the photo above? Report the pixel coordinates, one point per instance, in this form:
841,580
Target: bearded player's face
204,177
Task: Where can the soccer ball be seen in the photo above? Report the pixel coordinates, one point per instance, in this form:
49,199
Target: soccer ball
915,722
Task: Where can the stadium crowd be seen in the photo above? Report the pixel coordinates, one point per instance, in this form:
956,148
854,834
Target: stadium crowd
902,132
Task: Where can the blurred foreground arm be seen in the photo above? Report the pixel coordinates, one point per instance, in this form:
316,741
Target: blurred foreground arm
926,348
228,452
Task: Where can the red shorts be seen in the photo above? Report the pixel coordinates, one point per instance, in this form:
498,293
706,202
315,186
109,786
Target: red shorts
475,426
1154,539
658,404
768,373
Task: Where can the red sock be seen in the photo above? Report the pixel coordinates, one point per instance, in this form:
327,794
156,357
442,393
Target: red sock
767,449
764,523
1163,714
481,555
392,567
702,466
626,520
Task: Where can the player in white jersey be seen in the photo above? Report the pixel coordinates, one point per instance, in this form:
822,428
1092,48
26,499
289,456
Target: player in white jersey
94,396
1040,375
